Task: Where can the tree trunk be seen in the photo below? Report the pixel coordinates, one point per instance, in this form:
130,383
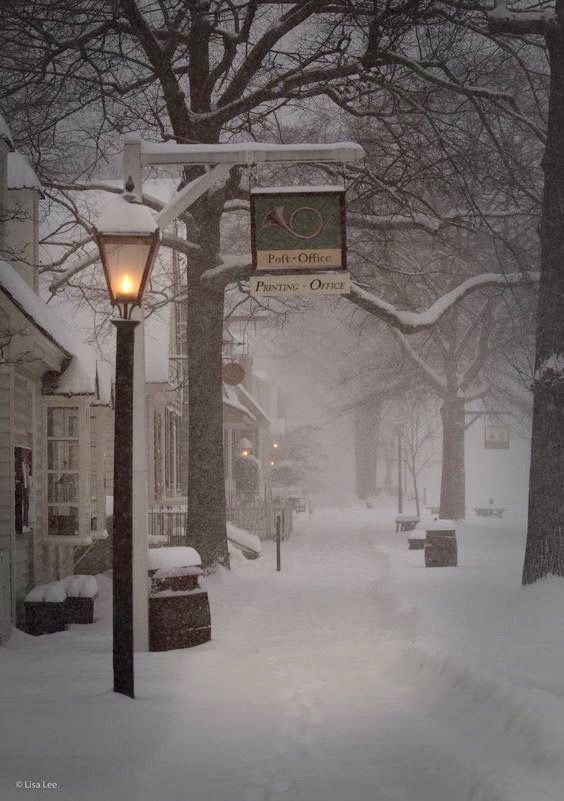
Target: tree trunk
205,526
544,553
365,427
453,491
389,461
415,486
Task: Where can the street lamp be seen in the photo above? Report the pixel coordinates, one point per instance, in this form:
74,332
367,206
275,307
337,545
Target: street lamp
128,238
245,448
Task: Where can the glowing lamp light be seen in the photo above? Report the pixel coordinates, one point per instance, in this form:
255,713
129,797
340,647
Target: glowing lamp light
128,239
245,446
274,444
272,464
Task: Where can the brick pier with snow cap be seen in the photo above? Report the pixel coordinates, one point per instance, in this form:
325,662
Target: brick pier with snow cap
179,611
440,544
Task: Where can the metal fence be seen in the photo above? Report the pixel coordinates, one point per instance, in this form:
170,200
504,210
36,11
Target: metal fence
258,517
168,523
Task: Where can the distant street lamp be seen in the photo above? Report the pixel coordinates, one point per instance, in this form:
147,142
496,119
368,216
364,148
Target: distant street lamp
128,238
399,432
245,447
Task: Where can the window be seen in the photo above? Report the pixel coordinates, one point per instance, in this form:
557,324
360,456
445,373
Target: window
157,456
23,482
170,452
95,445
63,470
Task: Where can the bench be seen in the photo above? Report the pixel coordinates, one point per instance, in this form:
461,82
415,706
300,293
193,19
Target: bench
406,522
489,511
416,543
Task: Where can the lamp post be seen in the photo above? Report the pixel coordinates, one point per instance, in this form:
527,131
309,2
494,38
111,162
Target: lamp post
128,238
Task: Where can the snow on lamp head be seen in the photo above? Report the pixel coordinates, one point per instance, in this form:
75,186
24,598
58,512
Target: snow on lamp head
128,239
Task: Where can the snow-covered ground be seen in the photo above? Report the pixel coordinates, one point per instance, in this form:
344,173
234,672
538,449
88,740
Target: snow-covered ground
355,674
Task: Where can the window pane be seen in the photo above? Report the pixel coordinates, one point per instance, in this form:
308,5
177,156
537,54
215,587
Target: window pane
62,422
62,455
62,488
63,521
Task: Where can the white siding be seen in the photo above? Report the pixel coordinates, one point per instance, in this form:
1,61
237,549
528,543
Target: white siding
24,391
7,488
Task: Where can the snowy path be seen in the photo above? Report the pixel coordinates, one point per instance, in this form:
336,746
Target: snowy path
309,692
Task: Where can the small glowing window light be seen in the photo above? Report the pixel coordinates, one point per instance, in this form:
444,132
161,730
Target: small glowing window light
244,452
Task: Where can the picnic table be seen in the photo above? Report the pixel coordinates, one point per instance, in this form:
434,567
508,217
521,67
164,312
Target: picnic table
489,511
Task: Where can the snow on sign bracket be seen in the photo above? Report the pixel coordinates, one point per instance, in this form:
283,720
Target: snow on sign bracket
319,284
298,228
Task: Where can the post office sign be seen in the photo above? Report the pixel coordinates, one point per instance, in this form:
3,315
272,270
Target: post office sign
298,228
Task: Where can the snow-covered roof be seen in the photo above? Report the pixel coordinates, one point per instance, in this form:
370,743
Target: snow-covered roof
86,375
80,376
21,174
5,132
230,399
35,309
247,398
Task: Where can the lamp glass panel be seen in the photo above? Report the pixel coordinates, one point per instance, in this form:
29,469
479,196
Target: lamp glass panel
126,264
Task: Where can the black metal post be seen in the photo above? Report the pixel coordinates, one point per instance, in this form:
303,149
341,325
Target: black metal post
400,477
278,527
122,562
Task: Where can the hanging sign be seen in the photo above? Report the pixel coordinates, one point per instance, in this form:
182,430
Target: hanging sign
233,373
298,228
292,284
496,436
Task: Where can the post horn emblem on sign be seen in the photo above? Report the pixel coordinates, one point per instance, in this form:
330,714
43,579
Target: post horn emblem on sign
277,217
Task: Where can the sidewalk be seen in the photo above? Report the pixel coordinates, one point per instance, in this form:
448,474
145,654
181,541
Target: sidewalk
329,681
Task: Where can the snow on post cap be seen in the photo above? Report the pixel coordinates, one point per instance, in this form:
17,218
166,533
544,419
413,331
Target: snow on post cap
54,592
122,216
81,586
442,525
160,558
37,594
